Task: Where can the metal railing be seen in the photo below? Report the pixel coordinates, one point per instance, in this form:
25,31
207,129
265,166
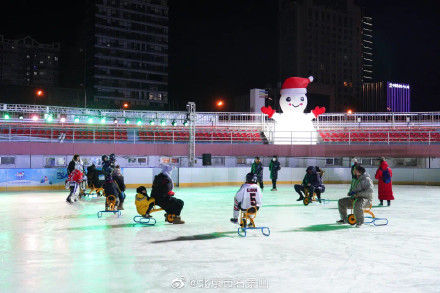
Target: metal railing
231,135
202,118
360,120
68,134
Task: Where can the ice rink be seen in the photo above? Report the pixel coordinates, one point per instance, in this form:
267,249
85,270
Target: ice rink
47,245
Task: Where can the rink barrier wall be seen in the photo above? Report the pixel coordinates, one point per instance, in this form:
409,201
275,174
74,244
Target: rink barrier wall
53,179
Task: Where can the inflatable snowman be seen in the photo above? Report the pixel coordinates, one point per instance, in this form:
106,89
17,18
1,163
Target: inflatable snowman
293,126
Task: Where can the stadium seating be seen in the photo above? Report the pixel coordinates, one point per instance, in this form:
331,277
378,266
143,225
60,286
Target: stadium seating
16,132
380,135
205,134
214,134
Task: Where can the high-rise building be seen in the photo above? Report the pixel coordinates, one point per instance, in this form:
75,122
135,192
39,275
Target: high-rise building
127,53
386,97
323,38
367,49
26,62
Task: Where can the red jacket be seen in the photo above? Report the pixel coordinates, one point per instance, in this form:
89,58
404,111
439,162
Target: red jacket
385,189
75,176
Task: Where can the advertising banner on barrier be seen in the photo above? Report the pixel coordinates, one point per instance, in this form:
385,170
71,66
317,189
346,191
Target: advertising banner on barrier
32,177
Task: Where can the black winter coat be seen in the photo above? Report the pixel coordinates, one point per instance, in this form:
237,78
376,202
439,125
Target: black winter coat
71,167
119,179
162,185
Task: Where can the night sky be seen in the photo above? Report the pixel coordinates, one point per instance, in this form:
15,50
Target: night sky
224,48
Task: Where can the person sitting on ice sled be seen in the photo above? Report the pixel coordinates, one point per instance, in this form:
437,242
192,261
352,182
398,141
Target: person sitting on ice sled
110,187
361,193
162,192
144,203
93,177
312,181
248,196
119,180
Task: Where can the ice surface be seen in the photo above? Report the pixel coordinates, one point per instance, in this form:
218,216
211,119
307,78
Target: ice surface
47,245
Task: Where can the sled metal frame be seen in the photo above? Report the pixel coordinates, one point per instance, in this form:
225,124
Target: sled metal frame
308,200
147,221
119,213
250,215
111,208
371,219
144,221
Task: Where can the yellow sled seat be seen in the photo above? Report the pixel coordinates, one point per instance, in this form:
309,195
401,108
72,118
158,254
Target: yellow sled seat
142,203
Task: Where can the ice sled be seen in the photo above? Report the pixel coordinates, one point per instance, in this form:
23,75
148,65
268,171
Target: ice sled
148,220
371,219
247,222
99,191
309,199
110,206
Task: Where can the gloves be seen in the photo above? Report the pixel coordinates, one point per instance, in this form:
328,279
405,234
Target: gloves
234,220
351,194
268,110
318,111
171,193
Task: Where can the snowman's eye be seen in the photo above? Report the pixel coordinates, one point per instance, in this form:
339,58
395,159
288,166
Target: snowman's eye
288,99
302,99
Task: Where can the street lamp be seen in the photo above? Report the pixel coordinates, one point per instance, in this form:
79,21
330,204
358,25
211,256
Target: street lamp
220,104
38,93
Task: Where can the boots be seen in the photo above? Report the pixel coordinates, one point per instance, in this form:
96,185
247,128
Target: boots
121,206
178,220
69,199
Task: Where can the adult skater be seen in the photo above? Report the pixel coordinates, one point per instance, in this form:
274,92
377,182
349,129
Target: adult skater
74,180
384,175
119,179
274,167
361,194
248,196
162,192
257,170
312,182
76,159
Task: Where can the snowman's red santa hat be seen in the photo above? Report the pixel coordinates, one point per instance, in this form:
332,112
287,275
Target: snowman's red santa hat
295,85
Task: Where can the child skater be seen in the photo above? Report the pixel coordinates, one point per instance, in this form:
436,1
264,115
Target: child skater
248,196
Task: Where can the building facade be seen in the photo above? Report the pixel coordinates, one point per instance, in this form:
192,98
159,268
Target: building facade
323,38
367,49
26,62
386,97
127,52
